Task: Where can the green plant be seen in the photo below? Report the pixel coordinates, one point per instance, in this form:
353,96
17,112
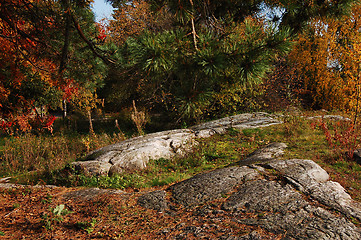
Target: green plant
16,205
87,226
2,233
48,198
118,181
60,210
55,216
293,125
233,131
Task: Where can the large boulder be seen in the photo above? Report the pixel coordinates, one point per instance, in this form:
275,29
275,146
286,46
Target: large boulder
212,185
155,200
215,184
135,153
287,199
267,153
309,178
240,121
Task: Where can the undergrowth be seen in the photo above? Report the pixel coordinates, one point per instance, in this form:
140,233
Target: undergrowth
29,154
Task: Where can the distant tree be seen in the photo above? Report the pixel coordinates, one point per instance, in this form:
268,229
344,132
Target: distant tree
133,18
327,57
25,79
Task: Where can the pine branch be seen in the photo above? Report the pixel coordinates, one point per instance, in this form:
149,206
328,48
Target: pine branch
92,47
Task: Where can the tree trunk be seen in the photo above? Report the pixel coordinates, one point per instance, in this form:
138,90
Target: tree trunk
64,109
357,100
194,29
194,34
91,130
64,54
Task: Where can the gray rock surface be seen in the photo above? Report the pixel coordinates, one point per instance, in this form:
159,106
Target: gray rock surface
291,199
287,199
241,121
269,197
303,174
267,153
263,195
211,185
282,209
331,117
135,153
154,200
94,168
88,194
307,223
309,178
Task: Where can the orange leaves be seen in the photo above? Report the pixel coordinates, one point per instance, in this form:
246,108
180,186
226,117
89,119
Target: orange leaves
129,20
22,122
5,125
70,89
328,60
24,52
133,18
25,123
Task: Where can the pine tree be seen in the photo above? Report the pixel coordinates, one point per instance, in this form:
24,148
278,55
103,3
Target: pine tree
214,49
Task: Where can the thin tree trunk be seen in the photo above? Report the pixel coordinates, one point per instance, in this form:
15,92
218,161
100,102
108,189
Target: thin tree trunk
91,130
64,109
64,54
193,28
357,100
194,34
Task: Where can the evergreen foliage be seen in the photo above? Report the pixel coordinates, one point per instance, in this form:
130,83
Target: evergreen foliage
185,70
192,59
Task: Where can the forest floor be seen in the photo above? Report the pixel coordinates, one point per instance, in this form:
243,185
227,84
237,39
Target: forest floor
28,212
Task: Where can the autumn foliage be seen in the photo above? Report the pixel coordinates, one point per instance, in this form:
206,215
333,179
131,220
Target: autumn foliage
27,70
44,58
189,60
327,59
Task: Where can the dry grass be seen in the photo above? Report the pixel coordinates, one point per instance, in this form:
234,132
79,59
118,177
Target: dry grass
39,153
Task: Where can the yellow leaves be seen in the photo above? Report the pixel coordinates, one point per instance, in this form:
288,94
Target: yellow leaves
85,100
129,20
329,60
